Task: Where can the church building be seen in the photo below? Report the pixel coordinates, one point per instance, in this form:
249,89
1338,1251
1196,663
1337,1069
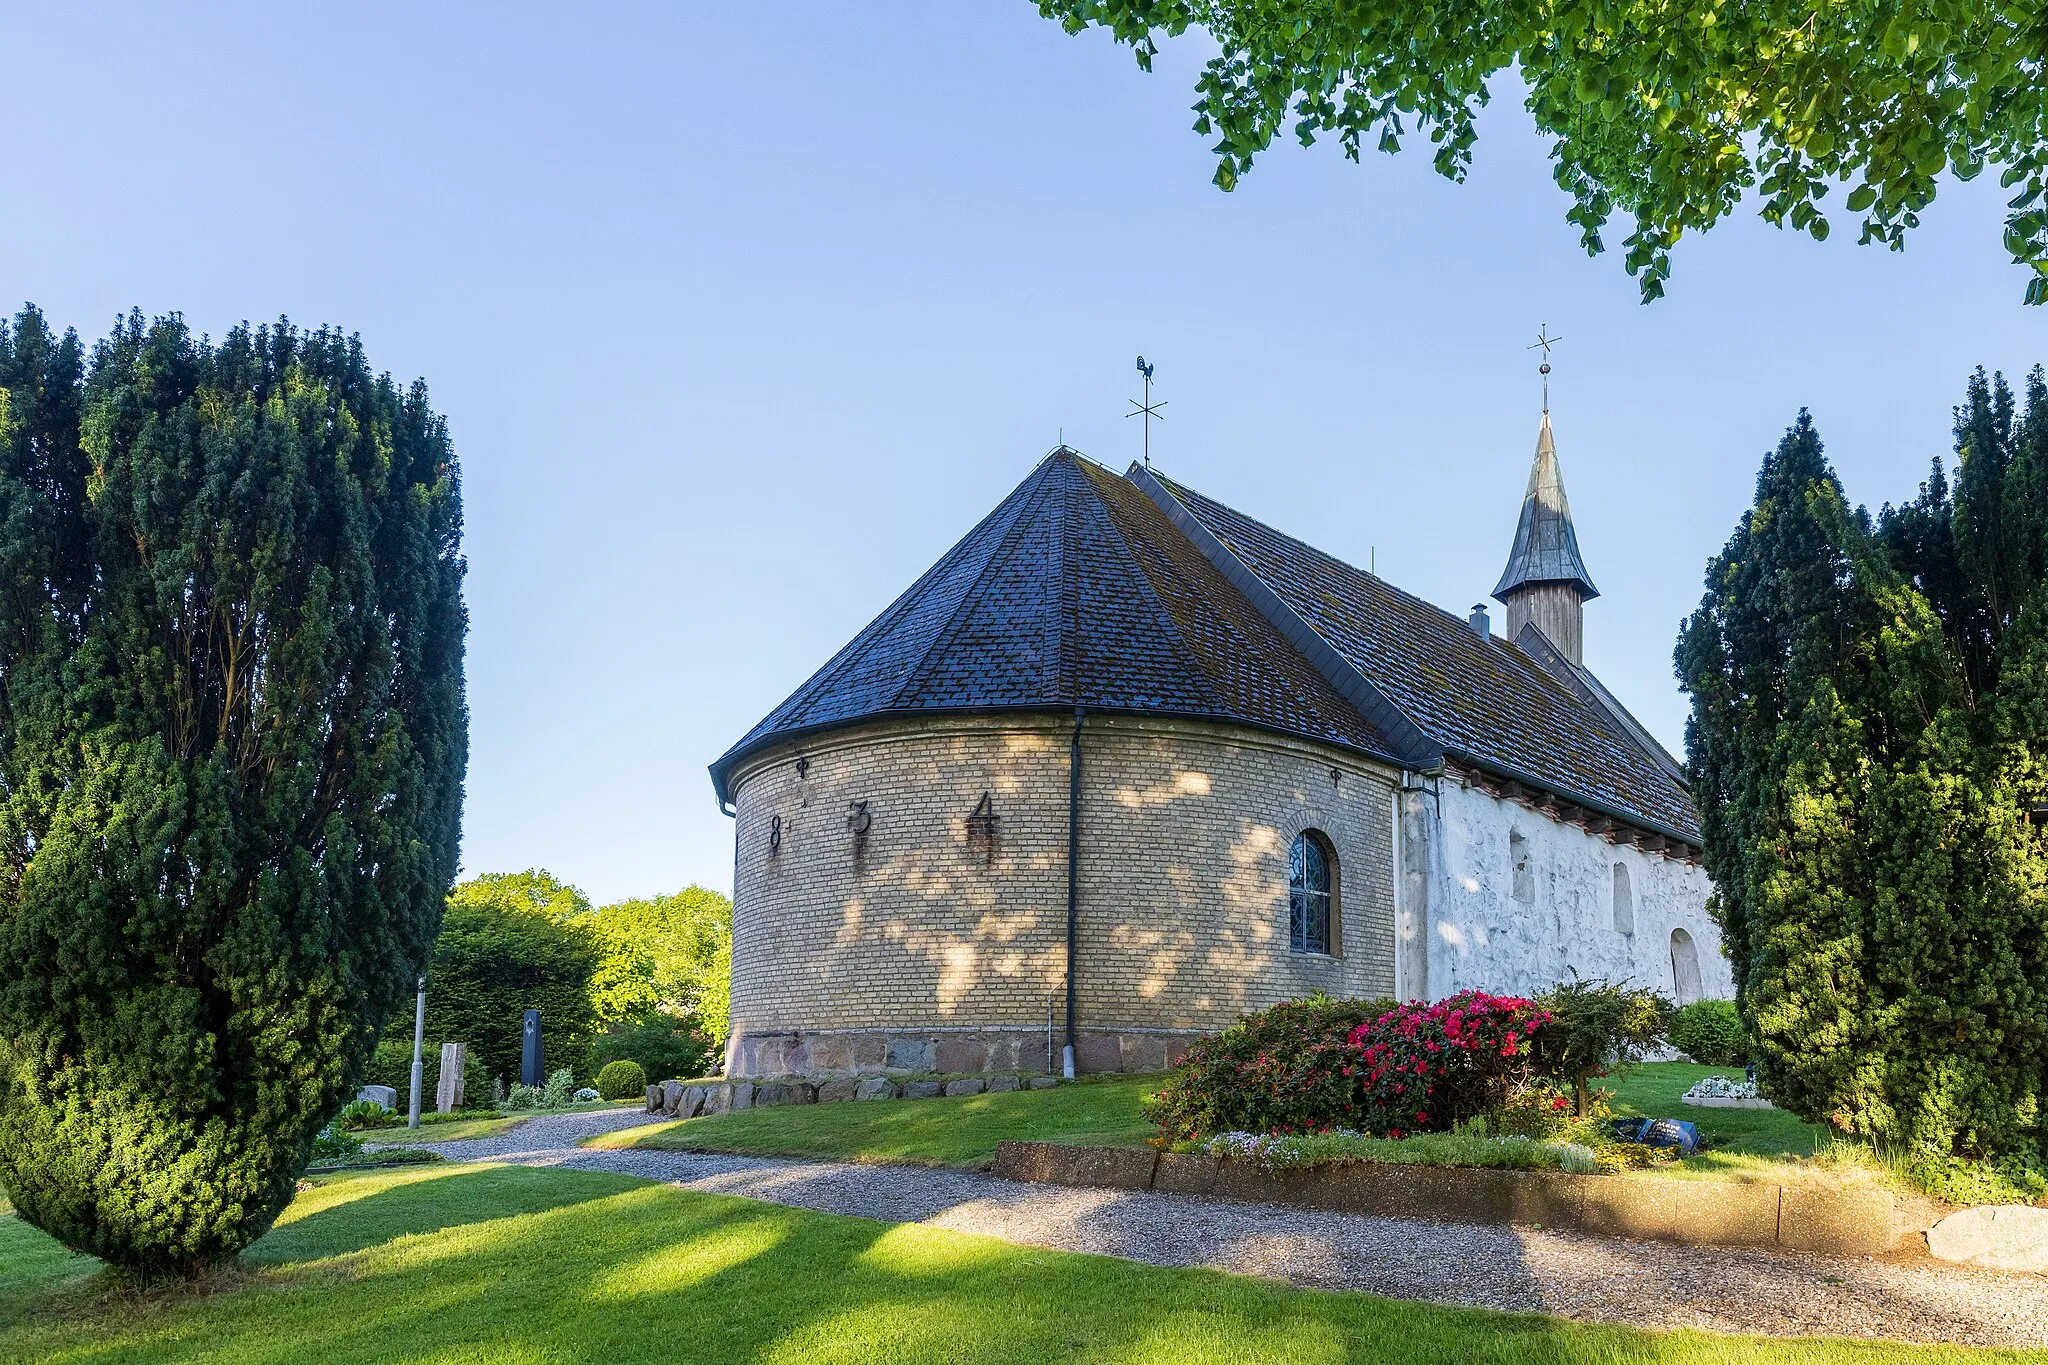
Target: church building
1126,764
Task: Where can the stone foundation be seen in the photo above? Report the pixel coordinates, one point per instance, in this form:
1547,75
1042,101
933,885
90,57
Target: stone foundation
834,1053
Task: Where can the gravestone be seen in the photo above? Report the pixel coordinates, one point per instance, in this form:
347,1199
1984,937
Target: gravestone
532,1071
448,1090
379,1094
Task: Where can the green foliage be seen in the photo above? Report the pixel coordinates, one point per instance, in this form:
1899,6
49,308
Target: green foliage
1288,1068
643,980
360,1114
498,956
334,1143
1870,719
662,1044
621,1081
669,955
232,740
1710,1032
1595,1028
556,1093
2015,1179
1669,113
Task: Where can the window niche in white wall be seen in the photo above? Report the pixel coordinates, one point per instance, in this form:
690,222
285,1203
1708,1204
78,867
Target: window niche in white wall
1525,875
1624,901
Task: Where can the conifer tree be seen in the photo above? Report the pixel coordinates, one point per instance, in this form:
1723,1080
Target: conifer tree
232,738
1870,708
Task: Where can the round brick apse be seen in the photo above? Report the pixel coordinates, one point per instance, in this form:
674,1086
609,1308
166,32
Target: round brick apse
900,891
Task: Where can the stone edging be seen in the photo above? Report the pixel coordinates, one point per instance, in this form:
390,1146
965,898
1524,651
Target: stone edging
1692,1212
678,1100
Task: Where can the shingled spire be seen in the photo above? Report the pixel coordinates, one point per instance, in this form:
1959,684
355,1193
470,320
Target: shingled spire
1545,583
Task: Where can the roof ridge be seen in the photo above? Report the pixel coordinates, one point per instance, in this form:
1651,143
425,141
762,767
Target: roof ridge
1195,666
876,629
1038,483
1450,617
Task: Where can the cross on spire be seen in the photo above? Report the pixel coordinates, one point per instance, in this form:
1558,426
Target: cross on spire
1544,341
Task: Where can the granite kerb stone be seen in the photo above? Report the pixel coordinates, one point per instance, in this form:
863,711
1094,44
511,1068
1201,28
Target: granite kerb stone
1840,1222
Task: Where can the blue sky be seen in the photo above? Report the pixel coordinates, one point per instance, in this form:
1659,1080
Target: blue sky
741,315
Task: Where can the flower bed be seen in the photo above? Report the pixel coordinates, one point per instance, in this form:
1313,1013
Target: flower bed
1278,1152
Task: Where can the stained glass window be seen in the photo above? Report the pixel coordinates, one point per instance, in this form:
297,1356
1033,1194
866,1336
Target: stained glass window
1308,895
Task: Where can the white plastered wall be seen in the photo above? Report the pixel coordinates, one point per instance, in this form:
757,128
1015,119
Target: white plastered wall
1482,936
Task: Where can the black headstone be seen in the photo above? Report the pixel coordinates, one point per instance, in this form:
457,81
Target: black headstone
531,1071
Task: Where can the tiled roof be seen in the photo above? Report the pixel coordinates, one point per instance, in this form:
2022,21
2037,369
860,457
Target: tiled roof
1482,699
1136,594
1076,590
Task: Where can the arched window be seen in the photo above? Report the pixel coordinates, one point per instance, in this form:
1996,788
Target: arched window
1624,901
1685,968
1311,876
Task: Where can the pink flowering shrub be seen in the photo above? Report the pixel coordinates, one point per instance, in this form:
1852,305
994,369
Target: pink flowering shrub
1427,1068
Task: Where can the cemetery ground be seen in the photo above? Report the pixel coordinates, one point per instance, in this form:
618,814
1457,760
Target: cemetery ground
467,1262
1763,1144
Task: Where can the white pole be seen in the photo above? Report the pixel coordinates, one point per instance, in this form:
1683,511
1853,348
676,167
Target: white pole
419,1037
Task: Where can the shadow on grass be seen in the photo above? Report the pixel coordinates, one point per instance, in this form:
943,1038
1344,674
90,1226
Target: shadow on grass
345,1213
651,1273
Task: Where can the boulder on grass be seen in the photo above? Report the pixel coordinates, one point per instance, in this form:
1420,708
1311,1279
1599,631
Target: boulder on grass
1002,1085
922,1090
837,1092
875,1088
970,1086
1044,1082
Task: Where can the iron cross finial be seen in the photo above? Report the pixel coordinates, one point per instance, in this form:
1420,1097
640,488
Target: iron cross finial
1544,341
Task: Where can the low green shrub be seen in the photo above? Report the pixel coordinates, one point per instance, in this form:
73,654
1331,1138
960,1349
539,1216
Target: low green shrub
521,1097
1596,1028
1289,1068
2018,1179
365,1114
621,1080
1711,1033
334,1142
559,1090
664,1045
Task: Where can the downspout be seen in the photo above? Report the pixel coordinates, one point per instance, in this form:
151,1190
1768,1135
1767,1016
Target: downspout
1073,882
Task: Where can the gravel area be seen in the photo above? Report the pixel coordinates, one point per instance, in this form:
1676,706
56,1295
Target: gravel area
539,1135
1644,1284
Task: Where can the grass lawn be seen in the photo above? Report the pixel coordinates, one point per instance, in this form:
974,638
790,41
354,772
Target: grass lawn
1758,1144
1748,1144
961,1131
477,1264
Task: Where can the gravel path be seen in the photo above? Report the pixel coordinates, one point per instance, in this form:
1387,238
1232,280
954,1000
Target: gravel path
1645,1284
541,1133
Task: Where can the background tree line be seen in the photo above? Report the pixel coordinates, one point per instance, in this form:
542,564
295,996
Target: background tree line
644,980
1869,747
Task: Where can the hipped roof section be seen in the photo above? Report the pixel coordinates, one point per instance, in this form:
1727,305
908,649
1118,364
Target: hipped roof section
1075,591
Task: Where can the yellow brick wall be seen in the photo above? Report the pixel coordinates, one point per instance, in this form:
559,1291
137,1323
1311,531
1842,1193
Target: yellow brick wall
1185,829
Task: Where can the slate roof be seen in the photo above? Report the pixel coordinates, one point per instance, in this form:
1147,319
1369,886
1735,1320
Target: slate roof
1138,594
1484,700
1076,590
1546,548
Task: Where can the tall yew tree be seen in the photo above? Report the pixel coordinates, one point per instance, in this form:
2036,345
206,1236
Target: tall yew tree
1870,716
232,740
